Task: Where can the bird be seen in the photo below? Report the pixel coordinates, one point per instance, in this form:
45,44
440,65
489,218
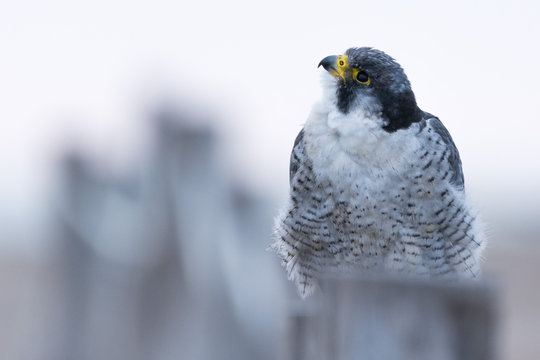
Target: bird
376,184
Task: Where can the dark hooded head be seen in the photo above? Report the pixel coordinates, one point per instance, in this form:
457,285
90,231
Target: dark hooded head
371,79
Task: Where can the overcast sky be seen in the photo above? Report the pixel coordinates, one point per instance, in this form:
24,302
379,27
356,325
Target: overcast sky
86,73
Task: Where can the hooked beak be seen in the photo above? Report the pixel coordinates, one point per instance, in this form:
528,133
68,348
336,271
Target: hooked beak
335,65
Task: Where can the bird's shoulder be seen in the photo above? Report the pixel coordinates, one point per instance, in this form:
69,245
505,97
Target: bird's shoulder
432,125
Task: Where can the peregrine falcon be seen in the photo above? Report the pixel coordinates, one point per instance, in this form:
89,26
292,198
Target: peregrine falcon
376,184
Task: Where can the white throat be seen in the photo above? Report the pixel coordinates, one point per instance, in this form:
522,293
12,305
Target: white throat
339,142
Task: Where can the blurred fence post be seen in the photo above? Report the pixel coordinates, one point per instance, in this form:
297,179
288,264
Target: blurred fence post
141,253
386,318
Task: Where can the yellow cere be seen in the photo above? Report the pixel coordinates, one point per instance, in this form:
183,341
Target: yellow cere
343,69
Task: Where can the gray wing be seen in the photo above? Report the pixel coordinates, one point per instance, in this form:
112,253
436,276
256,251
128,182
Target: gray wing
294,164
298,228
454,160
452,241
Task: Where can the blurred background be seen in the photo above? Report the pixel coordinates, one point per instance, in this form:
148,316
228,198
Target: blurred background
145,148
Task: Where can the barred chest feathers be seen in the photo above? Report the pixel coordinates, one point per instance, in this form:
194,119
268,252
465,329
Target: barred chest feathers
373,200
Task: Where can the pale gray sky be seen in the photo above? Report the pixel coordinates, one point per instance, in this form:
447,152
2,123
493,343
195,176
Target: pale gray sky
85,73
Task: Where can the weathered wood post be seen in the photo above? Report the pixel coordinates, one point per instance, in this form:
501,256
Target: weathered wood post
389,318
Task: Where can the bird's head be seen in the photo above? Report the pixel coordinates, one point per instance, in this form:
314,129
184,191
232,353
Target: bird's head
369,79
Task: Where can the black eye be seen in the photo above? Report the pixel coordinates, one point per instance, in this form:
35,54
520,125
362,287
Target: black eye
341,63
362,77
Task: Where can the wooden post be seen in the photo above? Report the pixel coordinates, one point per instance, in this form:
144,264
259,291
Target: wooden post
389,318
